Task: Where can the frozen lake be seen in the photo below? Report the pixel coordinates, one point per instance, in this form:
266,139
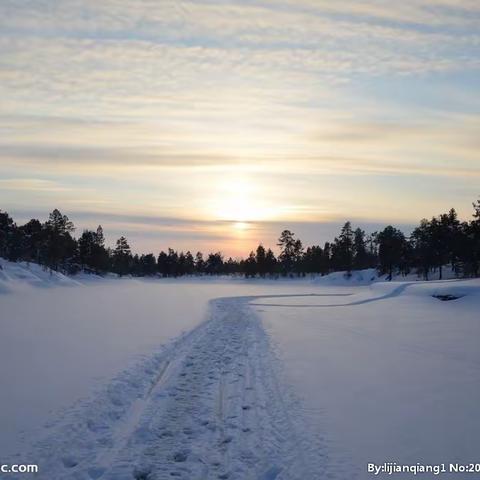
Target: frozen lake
380,373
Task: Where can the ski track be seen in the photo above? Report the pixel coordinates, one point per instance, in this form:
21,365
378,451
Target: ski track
213,405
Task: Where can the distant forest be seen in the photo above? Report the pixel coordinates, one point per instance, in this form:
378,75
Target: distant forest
442,241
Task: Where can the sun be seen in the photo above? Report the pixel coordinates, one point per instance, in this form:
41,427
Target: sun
241,226
237,202
240,200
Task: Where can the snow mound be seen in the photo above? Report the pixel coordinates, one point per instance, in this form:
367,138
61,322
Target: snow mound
17,274
357,277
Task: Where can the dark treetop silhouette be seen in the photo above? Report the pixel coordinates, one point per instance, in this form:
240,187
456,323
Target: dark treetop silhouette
443,240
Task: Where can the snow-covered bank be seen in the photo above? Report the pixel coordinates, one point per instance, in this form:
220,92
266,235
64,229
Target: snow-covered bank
18,275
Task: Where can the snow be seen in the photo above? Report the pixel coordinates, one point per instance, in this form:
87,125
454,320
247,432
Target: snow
361,277
14,276
60,346
390,372
227,378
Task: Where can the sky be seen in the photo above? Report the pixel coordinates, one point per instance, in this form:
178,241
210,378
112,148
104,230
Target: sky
216,124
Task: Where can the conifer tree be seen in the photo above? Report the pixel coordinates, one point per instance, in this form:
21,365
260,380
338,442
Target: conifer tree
122,257
162,264
342,249
270,262
214,264
391,250
60,247
291,251
199,263
261,260
6,228
360,255
250,266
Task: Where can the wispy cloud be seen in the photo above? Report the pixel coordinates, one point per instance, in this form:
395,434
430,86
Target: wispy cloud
31,185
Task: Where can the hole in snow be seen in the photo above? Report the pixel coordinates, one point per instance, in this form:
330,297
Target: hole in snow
69,462
180,457
447,298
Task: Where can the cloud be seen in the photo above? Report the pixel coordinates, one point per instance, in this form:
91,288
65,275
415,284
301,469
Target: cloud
354,146
31,185
87,157
130,107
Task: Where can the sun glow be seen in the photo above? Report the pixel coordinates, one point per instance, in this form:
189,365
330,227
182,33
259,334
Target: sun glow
240,201
241,226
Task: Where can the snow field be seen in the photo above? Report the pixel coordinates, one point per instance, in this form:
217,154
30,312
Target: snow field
234,379
394,372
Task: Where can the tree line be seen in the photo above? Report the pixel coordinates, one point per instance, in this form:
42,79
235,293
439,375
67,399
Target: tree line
442,241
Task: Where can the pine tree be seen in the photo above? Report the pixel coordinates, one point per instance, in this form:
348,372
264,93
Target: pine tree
313,260
270,262
100,260
391,250
214,264
452,232
298,256
172,263
32,241
261,260
232,267
122,257
10,238
182,264
471,243
162,264
189,263
291,251
342,249
421,245
60,246
59,224
251,266
91,251
360,255
199,264
86,247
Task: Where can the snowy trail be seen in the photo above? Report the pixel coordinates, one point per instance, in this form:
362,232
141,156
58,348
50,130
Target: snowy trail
397,291
214,407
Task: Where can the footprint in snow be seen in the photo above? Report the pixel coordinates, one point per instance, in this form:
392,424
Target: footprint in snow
69,462
180,457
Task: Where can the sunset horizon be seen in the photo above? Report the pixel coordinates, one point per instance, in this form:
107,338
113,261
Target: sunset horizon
194,124
239,239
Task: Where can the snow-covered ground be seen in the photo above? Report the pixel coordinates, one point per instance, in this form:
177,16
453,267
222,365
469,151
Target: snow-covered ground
391,373
206,379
